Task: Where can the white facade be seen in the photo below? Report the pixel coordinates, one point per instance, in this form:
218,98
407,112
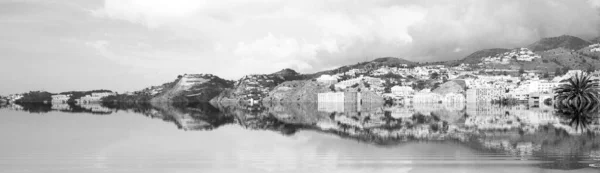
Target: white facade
327,79
402,91
94,97
595,47
60,98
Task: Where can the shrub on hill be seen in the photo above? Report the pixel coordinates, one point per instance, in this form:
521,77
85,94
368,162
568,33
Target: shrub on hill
35,97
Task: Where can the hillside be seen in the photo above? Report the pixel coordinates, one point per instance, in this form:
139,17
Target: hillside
374,64
595,40
564,41
475,57
249,87
565,58
289,74
193,88
296,91
392,61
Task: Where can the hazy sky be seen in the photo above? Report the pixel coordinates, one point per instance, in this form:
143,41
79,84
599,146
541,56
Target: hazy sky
59,45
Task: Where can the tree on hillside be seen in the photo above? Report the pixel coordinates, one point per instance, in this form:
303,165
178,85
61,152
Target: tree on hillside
546,75
590,69
565,70
434,76
557,71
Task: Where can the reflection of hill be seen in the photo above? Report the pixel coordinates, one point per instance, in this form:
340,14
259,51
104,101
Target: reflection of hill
517,131
198,117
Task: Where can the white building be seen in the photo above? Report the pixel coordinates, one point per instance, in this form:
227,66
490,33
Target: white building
94,97
60,98
547,87
402,91
327,79
595,47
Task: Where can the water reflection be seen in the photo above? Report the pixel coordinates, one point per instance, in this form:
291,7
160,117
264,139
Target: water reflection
564,137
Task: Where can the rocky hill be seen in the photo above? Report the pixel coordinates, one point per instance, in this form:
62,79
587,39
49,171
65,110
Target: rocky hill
193,88
253,87
565,58
296,91
564,41
457,86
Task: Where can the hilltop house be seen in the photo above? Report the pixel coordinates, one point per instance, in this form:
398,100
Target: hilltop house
595,47
327,79
94,97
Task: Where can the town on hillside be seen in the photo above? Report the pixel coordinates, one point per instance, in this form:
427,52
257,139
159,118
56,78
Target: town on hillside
505,76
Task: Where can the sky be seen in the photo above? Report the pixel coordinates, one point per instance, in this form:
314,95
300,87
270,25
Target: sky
127,45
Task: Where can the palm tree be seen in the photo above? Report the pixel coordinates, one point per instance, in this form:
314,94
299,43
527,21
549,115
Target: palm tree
579,89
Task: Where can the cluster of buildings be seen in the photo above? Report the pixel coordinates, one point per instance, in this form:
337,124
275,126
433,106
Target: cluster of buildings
519,54
14,97
90,98
94,97
595,47
529,87
60,98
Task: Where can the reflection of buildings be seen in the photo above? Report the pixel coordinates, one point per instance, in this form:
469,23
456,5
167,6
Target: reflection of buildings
483,94
348,101
94,97
424,96
490,116
331,107
537,99
96,108
60,106
402,91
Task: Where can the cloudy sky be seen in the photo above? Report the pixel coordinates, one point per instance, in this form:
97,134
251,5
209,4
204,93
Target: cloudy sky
59,45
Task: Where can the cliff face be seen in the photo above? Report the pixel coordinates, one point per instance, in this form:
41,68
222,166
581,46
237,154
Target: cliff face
296,91
249,87
193,88
450,87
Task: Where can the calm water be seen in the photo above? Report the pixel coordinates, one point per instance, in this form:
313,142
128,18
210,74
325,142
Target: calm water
295,138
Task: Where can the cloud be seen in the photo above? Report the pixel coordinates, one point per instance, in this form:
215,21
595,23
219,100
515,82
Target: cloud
313,35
